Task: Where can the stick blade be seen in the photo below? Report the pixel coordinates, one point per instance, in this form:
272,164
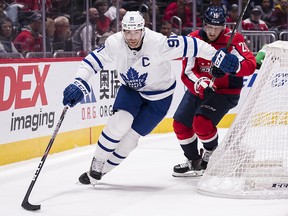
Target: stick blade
26,205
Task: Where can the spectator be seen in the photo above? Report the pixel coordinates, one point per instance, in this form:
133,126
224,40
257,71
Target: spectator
232,14
248,9
148,20
111,12
243,4
2,9
112,27
220,3
62,38
259,2
148,14
34,5
122,12
267,12
188,30
254,22
113,30
12,12
279,17
179,9
80,41
166,28
103,22
50,32
6,45
72,9
30,39
27,7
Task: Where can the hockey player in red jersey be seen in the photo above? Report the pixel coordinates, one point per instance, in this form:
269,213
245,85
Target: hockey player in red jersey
210,94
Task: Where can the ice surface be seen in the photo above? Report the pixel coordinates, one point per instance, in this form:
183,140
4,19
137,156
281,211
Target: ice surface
141,186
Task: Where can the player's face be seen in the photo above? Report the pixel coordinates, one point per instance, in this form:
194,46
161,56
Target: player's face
212,31
133,38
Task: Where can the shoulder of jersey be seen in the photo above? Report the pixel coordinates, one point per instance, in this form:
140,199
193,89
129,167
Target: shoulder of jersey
115,40
153,39
152,35
237,35
195,34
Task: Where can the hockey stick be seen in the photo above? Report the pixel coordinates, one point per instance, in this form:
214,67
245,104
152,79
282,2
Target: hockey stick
237,24
25,203
234,29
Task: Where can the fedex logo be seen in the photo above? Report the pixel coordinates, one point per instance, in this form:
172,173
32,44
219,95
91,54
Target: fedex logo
23,87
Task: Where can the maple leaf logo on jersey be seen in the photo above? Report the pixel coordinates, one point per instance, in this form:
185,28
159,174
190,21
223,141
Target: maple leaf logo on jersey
133,80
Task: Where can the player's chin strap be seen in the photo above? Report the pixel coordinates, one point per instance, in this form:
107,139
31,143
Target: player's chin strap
202,82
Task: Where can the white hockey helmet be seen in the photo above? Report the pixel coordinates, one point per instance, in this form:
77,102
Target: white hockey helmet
133,20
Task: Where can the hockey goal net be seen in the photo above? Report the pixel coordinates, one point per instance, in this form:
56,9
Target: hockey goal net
252,160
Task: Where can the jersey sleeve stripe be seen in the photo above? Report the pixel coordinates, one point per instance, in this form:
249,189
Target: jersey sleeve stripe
195,47
185,46
97,60
89,63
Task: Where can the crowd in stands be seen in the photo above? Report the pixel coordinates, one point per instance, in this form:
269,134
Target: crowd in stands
67,27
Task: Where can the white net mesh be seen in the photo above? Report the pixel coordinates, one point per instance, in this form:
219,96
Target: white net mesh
252,160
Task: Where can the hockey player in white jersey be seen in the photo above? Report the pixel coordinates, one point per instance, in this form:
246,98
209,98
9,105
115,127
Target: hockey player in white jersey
142,57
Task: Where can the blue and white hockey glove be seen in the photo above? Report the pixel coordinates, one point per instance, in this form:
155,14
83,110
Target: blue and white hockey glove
227,62
75,92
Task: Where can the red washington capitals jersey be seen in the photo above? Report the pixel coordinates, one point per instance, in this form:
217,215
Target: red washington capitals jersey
193,68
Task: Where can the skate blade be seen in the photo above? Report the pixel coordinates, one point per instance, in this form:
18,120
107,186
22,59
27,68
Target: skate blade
89,181
192,173
91,184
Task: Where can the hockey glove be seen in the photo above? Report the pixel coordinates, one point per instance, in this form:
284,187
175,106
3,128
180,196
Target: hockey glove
227,62
75,92
204,87
217,72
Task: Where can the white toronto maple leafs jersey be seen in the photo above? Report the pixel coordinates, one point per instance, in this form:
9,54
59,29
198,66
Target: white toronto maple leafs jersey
148,70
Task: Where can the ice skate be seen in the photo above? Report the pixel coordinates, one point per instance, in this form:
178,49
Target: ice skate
207,154
86,179
188,169
94,174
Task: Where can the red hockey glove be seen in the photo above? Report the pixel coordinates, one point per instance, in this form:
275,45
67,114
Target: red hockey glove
204,87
